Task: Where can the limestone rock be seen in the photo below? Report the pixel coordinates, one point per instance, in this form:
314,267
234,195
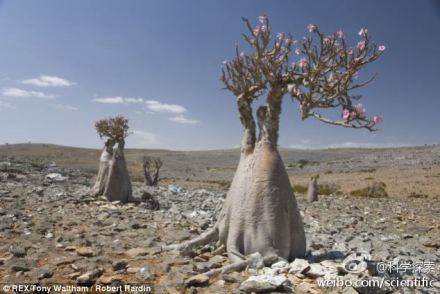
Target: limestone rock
264,283
299,266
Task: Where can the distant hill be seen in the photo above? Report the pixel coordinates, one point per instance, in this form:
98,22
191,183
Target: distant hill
219,164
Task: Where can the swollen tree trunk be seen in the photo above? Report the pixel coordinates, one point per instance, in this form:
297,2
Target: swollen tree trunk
113,180
260,213
101,179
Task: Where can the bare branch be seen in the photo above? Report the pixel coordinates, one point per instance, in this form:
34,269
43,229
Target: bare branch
367,124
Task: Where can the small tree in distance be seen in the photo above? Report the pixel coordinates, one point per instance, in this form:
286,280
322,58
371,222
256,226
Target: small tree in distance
113,180
260,213
151,175
115,128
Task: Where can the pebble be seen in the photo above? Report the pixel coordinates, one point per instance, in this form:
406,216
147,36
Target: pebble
264,283
17,251
198,280
85,251
299,266
90,277
119,265
139,251
316,270
23,265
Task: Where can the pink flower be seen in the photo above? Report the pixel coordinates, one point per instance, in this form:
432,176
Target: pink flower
345,114
340,34
257,30
262,18
360,109
312,28
298,51
303,62
280,36
361,45
377,119
381,48
264,29
241,54
350,51
326,41
363,32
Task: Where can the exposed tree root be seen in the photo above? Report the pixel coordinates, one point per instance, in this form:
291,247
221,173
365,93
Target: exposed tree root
234,267
205,238
220,250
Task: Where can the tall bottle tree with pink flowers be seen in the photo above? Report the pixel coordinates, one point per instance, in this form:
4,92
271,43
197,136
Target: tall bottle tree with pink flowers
260,213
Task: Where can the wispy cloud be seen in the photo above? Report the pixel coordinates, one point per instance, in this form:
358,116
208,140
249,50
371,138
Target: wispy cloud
134,100
183,120
303,144
366,145
118,100
20,93
152,107
66,107
141,139
348,144
156,106
49,81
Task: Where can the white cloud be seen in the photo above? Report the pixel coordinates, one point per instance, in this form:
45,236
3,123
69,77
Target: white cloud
67,107
48,81
141,139
118,100
157,106
134,100
20,93
109,100
183,120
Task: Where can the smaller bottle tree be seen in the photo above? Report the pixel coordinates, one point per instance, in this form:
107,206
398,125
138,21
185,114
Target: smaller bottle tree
113,180
151,174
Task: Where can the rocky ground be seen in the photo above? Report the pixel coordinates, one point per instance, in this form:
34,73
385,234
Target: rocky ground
53,232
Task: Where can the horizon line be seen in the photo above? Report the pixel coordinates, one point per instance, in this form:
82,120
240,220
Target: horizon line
234,148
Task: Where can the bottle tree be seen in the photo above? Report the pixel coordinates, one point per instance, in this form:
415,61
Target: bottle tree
113,180
260,213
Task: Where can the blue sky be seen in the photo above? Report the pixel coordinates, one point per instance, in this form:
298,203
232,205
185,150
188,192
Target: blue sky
158,62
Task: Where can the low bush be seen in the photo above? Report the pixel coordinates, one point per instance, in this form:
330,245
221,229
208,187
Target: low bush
299,189
375,190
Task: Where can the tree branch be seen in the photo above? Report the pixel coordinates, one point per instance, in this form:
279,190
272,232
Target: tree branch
369,125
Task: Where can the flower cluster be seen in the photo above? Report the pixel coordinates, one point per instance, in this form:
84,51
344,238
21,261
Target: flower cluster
312,28
322,76
359,112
